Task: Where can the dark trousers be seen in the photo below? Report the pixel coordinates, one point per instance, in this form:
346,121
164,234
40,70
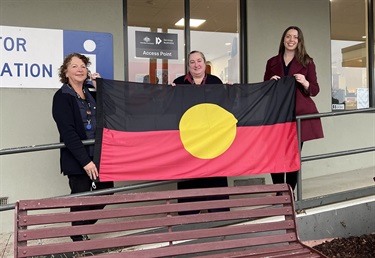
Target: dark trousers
203,183
290,178
80,184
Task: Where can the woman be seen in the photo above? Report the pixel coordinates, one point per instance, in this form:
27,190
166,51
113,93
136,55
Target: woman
74,110
197,71
293,60
197,76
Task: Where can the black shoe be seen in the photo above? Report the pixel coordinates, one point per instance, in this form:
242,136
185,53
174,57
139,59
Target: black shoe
80,238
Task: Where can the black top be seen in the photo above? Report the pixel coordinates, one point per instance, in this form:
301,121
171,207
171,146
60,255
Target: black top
286,67
187,79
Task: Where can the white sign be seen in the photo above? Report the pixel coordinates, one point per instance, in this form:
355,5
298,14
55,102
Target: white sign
362,98
31,57
338,107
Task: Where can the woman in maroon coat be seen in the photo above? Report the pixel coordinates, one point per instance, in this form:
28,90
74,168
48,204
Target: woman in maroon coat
293,60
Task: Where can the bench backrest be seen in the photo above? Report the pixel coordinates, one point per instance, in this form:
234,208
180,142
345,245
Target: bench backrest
139,224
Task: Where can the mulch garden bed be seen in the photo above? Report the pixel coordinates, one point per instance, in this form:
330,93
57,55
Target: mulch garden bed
349,247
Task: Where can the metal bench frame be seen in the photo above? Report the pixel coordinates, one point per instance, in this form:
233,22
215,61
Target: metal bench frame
147,224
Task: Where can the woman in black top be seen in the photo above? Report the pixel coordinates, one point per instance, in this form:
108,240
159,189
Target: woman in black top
197,75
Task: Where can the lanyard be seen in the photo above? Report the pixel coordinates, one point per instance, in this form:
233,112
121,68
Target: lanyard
87,105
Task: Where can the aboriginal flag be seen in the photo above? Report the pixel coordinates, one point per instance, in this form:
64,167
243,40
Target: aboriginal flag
160,132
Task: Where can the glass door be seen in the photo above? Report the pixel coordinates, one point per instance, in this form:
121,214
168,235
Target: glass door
156,41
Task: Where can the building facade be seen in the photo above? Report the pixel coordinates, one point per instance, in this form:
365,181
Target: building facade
237,37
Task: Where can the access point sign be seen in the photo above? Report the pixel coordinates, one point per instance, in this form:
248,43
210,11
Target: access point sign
156,45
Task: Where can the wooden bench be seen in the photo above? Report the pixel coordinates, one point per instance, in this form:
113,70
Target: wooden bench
259,224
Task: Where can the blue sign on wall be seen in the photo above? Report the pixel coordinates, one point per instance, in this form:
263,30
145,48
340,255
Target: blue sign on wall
97,46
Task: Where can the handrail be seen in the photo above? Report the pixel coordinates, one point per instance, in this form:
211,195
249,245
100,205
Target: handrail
327,155
41,147
336,113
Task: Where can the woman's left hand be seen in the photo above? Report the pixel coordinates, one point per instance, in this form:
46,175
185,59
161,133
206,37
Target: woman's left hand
91,170
300,78
93,77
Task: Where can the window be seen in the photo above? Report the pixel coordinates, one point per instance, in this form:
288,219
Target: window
216,37
350,88
153,22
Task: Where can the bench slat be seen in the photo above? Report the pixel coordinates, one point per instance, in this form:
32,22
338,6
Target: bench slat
65,202
59,216
293,250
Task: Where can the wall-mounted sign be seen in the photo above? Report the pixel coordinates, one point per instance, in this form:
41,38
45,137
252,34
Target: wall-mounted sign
156,45
31,57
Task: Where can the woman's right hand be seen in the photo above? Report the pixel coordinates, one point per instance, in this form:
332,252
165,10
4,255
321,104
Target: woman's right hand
275,77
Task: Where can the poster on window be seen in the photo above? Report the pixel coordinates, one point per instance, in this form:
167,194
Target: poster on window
362,98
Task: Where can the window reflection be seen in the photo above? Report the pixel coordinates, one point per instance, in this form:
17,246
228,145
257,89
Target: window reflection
159,17
217,37
219,42
349,55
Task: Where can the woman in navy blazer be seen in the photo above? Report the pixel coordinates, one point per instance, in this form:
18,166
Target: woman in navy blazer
74,111
293,60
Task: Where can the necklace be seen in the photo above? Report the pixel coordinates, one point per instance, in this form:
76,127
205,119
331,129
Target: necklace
86,104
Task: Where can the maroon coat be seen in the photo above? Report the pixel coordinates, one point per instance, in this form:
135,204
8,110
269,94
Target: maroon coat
310,128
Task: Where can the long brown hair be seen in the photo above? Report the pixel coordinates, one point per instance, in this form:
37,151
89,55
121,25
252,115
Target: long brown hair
300,54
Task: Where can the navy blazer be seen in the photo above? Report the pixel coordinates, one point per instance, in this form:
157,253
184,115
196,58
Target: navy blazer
66,113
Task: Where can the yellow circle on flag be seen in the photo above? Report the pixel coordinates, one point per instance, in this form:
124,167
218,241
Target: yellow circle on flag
207,130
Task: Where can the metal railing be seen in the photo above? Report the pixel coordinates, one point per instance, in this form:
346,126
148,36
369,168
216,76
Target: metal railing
308,203
337,197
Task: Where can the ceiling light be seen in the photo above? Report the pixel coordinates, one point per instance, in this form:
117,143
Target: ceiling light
228,44
193,22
